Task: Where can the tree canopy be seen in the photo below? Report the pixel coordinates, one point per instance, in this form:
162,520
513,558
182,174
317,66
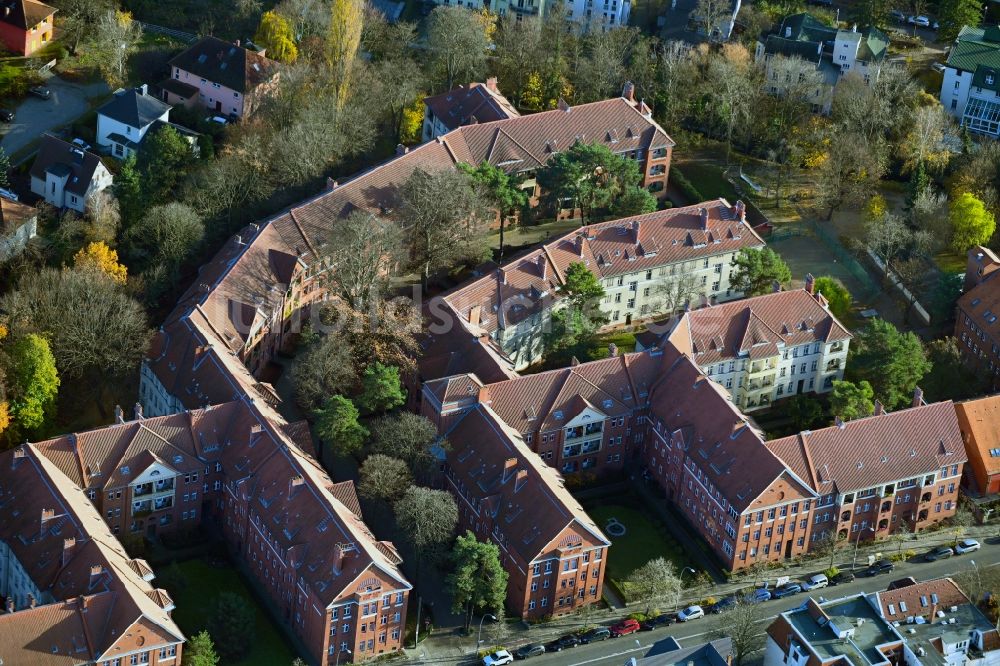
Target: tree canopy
232,625
337,425
381,389
200,651
384,478
276,35
478,581
33,381
755,271
655,581
836,294
590,177
891,361
971,222
852,401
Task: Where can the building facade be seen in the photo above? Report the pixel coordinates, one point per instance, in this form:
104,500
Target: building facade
976,315
25,25
66,176
766,348
979,420
970,89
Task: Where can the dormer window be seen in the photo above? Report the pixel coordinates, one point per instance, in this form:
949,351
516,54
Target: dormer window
989,79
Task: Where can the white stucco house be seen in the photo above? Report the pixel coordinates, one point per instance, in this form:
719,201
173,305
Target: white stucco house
128,117
970,88
66,176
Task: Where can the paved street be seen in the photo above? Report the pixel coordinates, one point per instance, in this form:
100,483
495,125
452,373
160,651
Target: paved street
617,651
36,116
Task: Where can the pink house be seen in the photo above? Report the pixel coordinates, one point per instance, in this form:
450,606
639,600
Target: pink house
226,78
25,26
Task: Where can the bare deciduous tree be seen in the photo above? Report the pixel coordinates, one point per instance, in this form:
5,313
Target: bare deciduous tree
887,237
711,15
655,581
458,43
363,250
114,38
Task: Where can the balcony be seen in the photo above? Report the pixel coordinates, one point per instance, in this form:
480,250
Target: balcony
761,384
833,365
153,487
759,367
836,347
584,431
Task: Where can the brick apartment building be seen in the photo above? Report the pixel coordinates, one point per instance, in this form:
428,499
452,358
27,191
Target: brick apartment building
465,105
637,260
71,595
299,534
979,420
751,500
768,347
553,552
976,325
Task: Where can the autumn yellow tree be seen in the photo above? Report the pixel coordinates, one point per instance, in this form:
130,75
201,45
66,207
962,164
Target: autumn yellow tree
413,122
275,33
100,257
346,21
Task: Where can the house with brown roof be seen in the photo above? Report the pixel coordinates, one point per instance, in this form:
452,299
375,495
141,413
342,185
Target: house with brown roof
553,552
640,261
18,225
768,347
66,175
25,25
978,307
979,421
252,298
465,105
922,624
227,78
71,593
300,534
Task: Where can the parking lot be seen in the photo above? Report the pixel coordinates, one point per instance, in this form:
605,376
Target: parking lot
34,116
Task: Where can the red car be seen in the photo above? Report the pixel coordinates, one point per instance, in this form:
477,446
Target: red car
624,628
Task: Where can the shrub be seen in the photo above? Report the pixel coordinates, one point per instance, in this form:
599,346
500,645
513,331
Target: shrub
831,572
708,601
909,553
685,186
638,617
897,557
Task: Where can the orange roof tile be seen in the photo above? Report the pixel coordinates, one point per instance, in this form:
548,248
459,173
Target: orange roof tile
979,421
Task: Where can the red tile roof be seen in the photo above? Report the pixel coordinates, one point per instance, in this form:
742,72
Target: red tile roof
475,103
979,421
875,450
922,599
756,327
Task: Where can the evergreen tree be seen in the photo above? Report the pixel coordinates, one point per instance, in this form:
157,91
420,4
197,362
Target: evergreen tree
381,389
232,625
34,381
852,401
337,425
200,651
756,271
953,15
479,581
891,361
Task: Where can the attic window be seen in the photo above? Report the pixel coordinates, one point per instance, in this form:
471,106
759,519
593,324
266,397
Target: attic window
994,453
607,404
178,460
989,79
975,302
125,469
202,58
557,414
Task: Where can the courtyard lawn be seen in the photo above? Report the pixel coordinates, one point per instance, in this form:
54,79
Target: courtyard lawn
195,602
643,541
707,179
950,262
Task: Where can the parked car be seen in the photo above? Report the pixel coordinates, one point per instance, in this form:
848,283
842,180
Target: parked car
842,577
722,605
624,628
816,582
967,546
690,613
786,590
8,194
880,567
561,643
498,658
757,596
529,650
661,620
80,143
922,21
40,91
939,553
596,635
897,15
217,119
938,67
6,115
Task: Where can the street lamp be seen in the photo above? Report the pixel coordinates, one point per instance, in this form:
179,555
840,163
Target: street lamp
479,640
337,662
685,570
857,542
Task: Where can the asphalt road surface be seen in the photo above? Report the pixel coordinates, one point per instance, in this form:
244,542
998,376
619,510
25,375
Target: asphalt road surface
616,651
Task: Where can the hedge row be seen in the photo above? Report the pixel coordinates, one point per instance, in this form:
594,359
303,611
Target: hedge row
679,180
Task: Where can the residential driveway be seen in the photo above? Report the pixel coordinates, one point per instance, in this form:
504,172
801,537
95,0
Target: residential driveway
36,116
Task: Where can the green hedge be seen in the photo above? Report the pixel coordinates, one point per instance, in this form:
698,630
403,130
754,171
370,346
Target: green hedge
684,185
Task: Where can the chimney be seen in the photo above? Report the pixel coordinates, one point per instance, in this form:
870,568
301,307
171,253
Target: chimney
401,149
918,397
293,483
142,89
612,350
839,422
628,91
119,414
18,456
509,465
775,286
69,545
543,267
10,604
574,362
483,397
502,273
236,43
137,411
579,245
703,212
32,602
474,313
95,572
810,284
635,231
520,479
491,84
47,515
879,408
741,211
331,184
563,105
84,602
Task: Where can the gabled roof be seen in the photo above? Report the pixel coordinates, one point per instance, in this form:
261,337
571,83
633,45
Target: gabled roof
874,45
24,14
475,103
14,214
804,27
975,48
134,108
871,451
232,66
979,421
756,327
66,161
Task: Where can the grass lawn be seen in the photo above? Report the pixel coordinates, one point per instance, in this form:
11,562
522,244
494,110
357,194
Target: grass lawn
194,607
950,262
643,541
530,235
707,179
